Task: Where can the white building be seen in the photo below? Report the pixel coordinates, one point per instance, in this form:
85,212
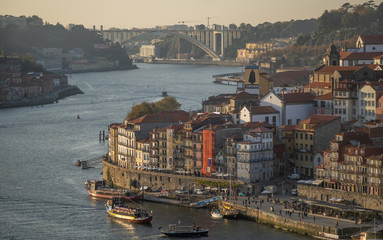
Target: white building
255,156
368,96
368,48
260,113
292,107
148,51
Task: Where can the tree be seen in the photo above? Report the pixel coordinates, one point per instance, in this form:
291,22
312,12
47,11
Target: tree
232,26
167,103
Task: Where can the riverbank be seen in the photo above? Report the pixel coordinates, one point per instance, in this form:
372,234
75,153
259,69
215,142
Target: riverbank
54,96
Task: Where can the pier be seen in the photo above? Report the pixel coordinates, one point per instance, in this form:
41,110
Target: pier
315,225
229,78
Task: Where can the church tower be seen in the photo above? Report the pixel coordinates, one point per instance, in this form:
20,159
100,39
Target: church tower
332,56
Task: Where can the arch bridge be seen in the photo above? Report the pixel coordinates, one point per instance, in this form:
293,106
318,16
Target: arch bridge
210,40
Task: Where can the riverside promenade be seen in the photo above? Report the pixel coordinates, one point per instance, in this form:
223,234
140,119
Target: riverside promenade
315,225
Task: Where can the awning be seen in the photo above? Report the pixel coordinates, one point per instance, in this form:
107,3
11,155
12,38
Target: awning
317,182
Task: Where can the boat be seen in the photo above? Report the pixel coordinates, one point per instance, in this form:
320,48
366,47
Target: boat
175,230
118,208
78,163
97,188
229,212
215,213
164,94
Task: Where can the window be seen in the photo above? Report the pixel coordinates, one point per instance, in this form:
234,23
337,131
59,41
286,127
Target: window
267,119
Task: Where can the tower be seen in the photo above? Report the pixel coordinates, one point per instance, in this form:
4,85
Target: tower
332,56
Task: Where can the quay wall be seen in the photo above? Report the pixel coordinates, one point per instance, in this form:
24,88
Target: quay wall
324,194
286,223
122,177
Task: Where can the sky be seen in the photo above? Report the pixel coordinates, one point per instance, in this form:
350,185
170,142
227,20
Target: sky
127,14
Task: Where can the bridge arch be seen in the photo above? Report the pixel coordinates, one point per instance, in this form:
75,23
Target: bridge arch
202,46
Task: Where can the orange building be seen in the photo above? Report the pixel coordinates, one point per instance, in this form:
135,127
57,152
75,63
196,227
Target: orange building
208,164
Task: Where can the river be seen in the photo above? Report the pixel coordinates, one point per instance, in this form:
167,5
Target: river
42,193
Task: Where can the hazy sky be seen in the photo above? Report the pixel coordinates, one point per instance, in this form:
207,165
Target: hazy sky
151,13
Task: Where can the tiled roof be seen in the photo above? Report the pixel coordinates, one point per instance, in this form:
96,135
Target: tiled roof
317,120
319,85
371,39
344,54
245,95
262,110
288,127
157,118
298,97
332,69
363,56
260,130
327,96
290,78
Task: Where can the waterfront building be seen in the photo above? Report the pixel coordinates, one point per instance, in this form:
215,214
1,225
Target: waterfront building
143,153
229,165
255,157
292,107
288,138
133,130
213,139
312,136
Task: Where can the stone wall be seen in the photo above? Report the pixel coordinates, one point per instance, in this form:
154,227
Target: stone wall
121,177
280,221
324,194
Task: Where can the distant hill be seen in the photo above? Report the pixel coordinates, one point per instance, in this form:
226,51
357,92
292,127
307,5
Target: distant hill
21,41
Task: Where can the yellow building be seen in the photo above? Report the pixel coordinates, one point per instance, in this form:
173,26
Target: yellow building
143,152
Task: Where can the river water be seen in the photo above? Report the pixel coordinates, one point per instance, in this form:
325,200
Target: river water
42,193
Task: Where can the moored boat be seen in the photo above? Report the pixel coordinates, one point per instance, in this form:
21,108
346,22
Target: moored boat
175,230
216,214
97,188
117,208
229,212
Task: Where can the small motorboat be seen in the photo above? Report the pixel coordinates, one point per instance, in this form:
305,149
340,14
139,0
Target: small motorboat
216,214
78,163
177,230
118,208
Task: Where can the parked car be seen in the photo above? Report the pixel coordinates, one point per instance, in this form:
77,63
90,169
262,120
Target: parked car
156,190
178,191
146,188
241,194
293,176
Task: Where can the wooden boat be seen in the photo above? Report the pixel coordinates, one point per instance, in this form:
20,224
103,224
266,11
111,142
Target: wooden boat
175,230
78,163
216,214
98,189
118,208
229,212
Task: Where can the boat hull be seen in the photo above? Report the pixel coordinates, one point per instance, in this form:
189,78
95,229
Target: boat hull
186,234
105,196
130,218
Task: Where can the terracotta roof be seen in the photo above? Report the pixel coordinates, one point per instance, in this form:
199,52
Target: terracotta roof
260,130
362,55
371,39
317,120
288,127
157,118
344,54
298,97
327,96
245,95
332,69
262,110
318,85
290,78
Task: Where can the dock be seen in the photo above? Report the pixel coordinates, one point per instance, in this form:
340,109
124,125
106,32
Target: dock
229,78
179,200
314,225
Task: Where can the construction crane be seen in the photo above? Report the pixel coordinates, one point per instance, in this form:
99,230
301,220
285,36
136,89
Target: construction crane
208,18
